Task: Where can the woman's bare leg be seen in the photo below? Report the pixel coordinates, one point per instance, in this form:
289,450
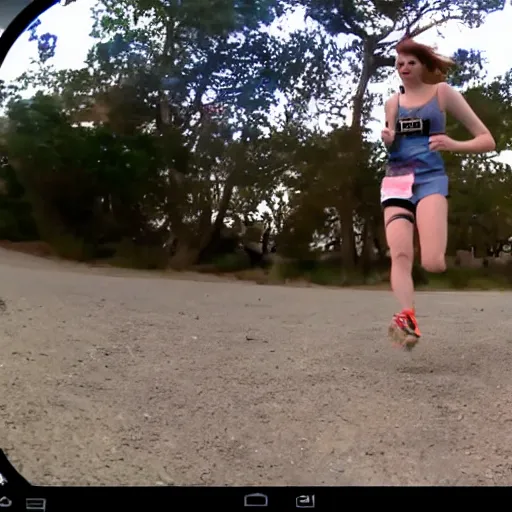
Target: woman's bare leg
399,236
403,330
432,222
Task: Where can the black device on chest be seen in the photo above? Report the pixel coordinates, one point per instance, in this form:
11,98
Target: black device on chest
412,126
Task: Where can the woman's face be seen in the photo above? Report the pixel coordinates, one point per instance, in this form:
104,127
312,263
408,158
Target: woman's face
409,68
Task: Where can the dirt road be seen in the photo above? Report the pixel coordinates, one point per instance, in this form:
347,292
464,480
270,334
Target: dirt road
127,379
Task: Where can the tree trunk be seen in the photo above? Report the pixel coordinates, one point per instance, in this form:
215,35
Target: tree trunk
379,239
348,249
348,246
184,257
362,86
213,233
365,261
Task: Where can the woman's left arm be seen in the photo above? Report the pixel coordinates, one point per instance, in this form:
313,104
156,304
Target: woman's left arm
457,105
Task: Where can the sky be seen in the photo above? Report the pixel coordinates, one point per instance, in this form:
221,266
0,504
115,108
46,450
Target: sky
72,24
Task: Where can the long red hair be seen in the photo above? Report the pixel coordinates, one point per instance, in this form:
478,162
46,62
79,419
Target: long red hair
436,66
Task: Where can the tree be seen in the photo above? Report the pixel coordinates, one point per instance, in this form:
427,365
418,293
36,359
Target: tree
372,28
179,125
202,87
481,187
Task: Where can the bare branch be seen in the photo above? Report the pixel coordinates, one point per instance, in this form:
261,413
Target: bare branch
427,8
420,30
399,25
383,62
346,9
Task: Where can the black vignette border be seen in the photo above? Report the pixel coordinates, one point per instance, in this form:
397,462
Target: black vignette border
20,23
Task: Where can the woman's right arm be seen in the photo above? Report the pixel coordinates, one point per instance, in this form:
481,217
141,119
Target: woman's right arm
390,111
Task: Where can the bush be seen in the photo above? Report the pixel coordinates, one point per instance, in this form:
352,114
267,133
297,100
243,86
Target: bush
501,271
459,277
328,276
130,255
16,221
322,273
231,262
486,278
71,248
284,270
420,276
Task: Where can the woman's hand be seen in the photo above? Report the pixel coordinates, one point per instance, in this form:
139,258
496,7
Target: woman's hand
442,143
387,136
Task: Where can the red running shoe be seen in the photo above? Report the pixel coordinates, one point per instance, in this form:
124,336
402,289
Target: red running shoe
403,330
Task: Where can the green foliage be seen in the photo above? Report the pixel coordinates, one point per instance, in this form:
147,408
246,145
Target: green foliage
16,221
183,135
143,257
69,247
70,173
331,276
16,215
324,273
487,278
419,276
233,262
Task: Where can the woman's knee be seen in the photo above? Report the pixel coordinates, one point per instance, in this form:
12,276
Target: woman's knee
435,263
402,258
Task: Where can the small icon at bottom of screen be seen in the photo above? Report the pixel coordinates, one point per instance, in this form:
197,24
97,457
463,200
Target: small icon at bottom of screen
38,504
256,500
5,502
305,501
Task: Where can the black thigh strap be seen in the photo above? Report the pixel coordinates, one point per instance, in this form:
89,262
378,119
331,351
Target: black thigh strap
405,216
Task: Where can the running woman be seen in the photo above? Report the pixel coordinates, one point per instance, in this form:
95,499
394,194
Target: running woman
414,190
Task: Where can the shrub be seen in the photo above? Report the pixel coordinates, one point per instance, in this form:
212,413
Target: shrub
231,262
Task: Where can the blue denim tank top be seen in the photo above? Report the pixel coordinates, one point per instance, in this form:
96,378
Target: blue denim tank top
412,150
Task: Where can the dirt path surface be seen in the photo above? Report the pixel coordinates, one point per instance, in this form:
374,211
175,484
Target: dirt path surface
131,380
